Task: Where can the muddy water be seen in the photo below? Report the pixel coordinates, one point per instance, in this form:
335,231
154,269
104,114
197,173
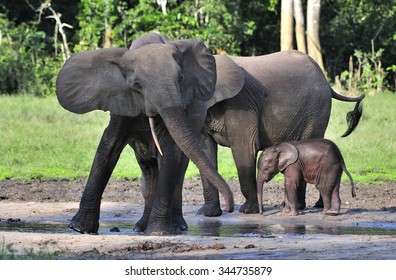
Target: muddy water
220,228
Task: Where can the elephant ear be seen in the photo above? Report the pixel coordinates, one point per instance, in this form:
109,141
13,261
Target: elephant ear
92,80
230,79
288,154
199,70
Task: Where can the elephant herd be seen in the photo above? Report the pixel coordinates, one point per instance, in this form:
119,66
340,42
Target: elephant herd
173,101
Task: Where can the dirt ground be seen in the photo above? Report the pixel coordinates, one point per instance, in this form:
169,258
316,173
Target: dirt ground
366,228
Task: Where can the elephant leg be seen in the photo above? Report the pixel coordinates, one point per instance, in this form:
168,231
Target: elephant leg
291,199
319,202
328,185
286,204
179,223
211,206
301,191
245,161
161,220
333,182
326,195
110,147
335,206
149,181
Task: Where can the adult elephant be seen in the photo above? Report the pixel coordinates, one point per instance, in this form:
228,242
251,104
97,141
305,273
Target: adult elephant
283,97
160,82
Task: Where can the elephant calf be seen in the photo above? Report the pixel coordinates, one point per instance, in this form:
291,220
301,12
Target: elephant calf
315,161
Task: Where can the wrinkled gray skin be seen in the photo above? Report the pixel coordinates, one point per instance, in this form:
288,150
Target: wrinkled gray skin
284,97
170,81
315,161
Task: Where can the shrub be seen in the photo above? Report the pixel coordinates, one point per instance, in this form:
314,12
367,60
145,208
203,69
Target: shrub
24,66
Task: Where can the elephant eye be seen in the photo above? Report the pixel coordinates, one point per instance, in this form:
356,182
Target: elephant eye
137,86
181,77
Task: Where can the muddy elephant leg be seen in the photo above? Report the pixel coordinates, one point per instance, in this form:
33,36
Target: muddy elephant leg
301,191
335,206
211,206
326,195
179,223
292,183
291,205
319,202
328,185
161,220
149,182
110,147
286,204
245,161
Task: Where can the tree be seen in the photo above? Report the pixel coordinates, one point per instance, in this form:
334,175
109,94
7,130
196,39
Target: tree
286,25
97,19
294,7
300,26
59,27
313,19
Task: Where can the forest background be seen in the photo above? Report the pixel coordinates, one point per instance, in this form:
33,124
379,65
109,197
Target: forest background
41,140
36,36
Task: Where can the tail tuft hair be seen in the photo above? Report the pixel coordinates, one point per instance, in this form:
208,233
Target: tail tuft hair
353,118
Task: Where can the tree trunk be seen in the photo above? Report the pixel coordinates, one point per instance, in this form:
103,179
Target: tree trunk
286,25
300,26
313,18
107,31
163,3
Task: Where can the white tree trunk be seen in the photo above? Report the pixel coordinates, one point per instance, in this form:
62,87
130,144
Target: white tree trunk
313,19
286,40
163,3
300,26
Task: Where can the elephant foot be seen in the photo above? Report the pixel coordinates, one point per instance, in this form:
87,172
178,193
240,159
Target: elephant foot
331,212
85,222
210,211
300,205
249,208
163,228
319,203
179,224
159,228
289,212
141,225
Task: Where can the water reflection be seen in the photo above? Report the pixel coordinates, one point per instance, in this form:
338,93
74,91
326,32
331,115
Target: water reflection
219,228
223,229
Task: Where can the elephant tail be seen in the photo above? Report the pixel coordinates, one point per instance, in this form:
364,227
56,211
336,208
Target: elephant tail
353,188
354,116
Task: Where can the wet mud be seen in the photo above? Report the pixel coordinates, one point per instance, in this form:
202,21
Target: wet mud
34,216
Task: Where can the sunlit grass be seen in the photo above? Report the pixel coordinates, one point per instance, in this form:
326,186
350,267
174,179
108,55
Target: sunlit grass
370,151
39,139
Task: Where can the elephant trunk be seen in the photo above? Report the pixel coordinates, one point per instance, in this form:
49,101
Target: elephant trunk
175,119
260,184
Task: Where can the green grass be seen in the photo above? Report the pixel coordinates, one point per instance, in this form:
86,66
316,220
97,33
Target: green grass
8,252
39,139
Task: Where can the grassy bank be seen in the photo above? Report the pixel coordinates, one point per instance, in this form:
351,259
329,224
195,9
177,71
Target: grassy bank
39,139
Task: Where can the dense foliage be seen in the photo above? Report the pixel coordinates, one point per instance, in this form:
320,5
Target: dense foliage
32,47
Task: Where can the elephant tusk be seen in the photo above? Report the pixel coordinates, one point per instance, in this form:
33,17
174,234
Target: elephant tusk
154,134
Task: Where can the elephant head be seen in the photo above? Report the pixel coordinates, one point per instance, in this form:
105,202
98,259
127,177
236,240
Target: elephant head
272,161
155,76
